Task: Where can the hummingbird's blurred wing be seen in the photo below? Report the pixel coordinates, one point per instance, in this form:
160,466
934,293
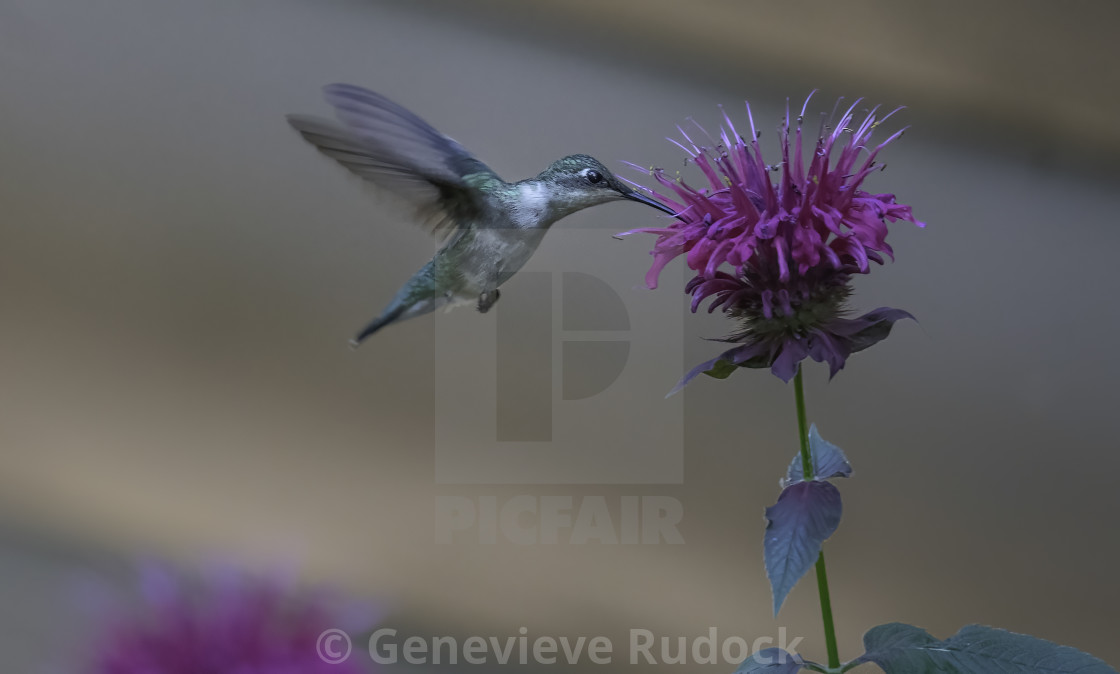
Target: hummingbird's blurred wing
391,147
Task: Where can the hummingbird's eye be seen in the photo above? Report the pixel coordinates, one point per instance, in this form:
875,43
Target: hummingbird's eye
593,177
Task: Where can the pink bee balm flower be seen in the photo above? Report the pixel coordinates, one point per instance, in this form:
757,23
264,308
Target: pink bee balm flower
228,623
779,255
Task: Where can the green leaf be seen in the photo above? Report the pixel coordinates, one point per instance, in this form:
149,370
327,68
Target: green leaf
771,661
722,369
828,460
975,649
805,515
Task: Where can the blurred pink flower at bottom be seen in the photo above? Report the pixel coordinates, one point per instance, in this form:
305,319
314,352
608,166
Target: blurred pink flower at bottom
228,622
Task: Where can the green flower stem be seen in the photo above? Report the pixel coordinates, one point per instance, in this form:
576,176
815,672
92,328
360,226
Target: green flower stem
826,614
822,574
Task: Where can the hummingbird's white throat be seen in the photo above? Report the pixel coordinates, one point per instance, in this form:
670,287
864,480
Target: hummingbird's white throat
532,204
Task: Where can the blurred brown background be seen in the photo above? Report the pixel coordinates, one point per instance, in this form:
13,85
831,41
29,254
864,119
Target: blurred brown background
179,274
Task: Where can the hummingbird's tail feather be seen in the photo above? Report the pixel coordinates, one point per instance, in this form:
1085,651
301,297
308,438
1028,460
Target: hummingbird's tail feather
376,324
417,297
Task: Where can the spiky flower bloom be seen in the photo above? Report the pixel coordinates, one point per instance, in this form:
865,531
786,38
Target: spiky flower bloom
228,623
779,255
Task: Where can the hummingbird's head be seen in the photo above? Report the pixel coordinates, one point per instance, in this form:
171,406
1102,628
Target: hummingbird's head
580,181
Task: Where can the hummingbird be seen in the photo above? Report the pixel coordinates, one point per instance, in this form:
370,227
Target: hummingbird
489,228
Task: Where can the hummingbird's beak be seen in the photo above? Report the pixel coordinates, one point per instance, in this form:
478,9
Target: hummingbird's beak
634,195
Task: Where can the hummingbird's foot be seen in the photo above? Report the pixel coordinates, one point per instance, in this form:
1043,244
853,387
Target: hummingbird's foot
487,300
